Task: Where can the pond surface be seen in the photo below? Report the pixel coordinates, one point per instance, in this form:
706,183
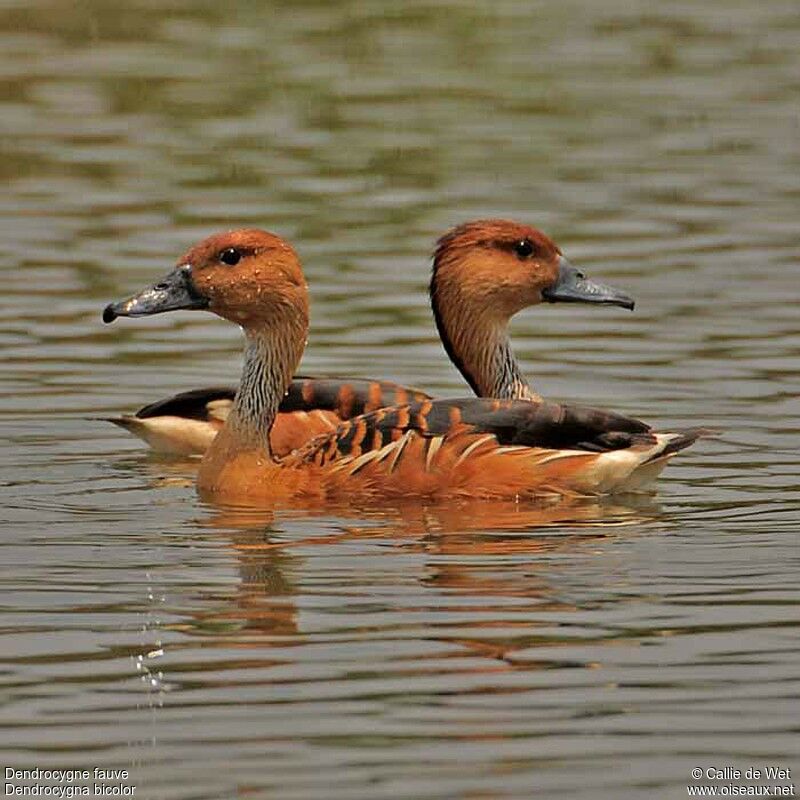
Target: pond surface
592,650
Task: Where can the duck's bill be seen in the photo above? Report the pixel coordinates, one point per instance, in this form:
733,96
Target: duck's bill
172,293
572,286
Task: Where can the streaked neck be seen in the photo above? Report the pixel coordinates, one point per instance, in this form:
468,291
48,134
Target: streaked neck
487,362
479,346
270,358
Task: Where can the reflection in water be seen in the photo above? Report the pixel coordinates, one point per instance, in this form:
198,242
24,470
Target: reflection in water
463,532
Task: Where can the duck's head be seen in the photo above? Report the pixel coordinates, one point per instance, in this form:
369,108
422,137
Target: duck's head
247,276
498,267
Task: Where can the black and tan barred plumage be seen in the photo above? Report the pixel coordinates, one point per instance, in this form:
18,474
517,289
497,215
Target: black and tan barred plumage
509,422
519,426
346,397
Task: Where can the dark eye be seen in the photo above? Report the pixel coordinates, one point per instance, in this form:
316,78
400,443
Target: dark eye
524,248
231,256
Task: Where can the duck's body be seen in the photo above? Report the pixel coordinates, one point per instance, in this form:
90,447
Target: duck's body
456,448
187,423
496,448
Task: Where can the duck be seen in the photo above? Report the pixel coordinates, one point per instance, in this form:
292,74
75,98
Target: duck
186,423
495,447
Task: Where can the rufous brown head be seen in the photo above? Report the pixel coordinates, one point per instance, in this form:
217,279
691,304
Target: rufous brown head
502,267
247,276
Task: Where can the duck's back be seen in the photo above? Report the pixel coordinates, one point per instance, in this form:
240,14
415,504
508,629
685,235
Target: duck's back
187,423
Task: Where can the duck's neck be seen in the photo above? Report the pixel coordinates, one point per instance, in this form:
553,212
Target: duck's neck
270,358
478,345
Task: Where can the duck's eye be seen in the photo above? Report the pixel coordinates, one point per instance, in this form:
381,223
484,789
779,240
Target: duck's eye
231,256
524,248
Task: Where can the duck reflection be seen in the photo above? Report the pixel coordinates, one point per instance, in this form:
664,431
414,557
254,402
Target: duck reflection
471,550
466,556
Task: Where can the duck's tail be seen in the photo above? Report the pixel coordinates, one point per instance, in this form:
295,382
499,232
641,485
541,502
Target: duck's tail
169,434
675,441
667,446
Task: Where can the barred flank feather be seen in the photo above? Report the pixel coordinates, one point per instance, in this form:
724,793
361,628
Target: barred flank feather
494,449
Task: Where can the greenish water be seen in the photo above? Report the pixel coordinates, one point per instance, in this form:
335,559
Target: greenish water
592,651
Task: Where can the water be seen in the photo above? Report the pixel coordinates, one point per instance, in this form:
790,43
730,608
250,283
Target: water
490,651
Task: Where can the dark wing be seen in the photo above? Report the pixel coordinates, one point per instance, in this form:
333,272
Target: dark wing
539,424
193,404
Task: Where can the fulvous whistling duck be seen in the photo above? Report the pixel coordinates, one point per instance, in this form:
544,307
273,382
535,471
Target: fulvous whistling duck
437,448
187,423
